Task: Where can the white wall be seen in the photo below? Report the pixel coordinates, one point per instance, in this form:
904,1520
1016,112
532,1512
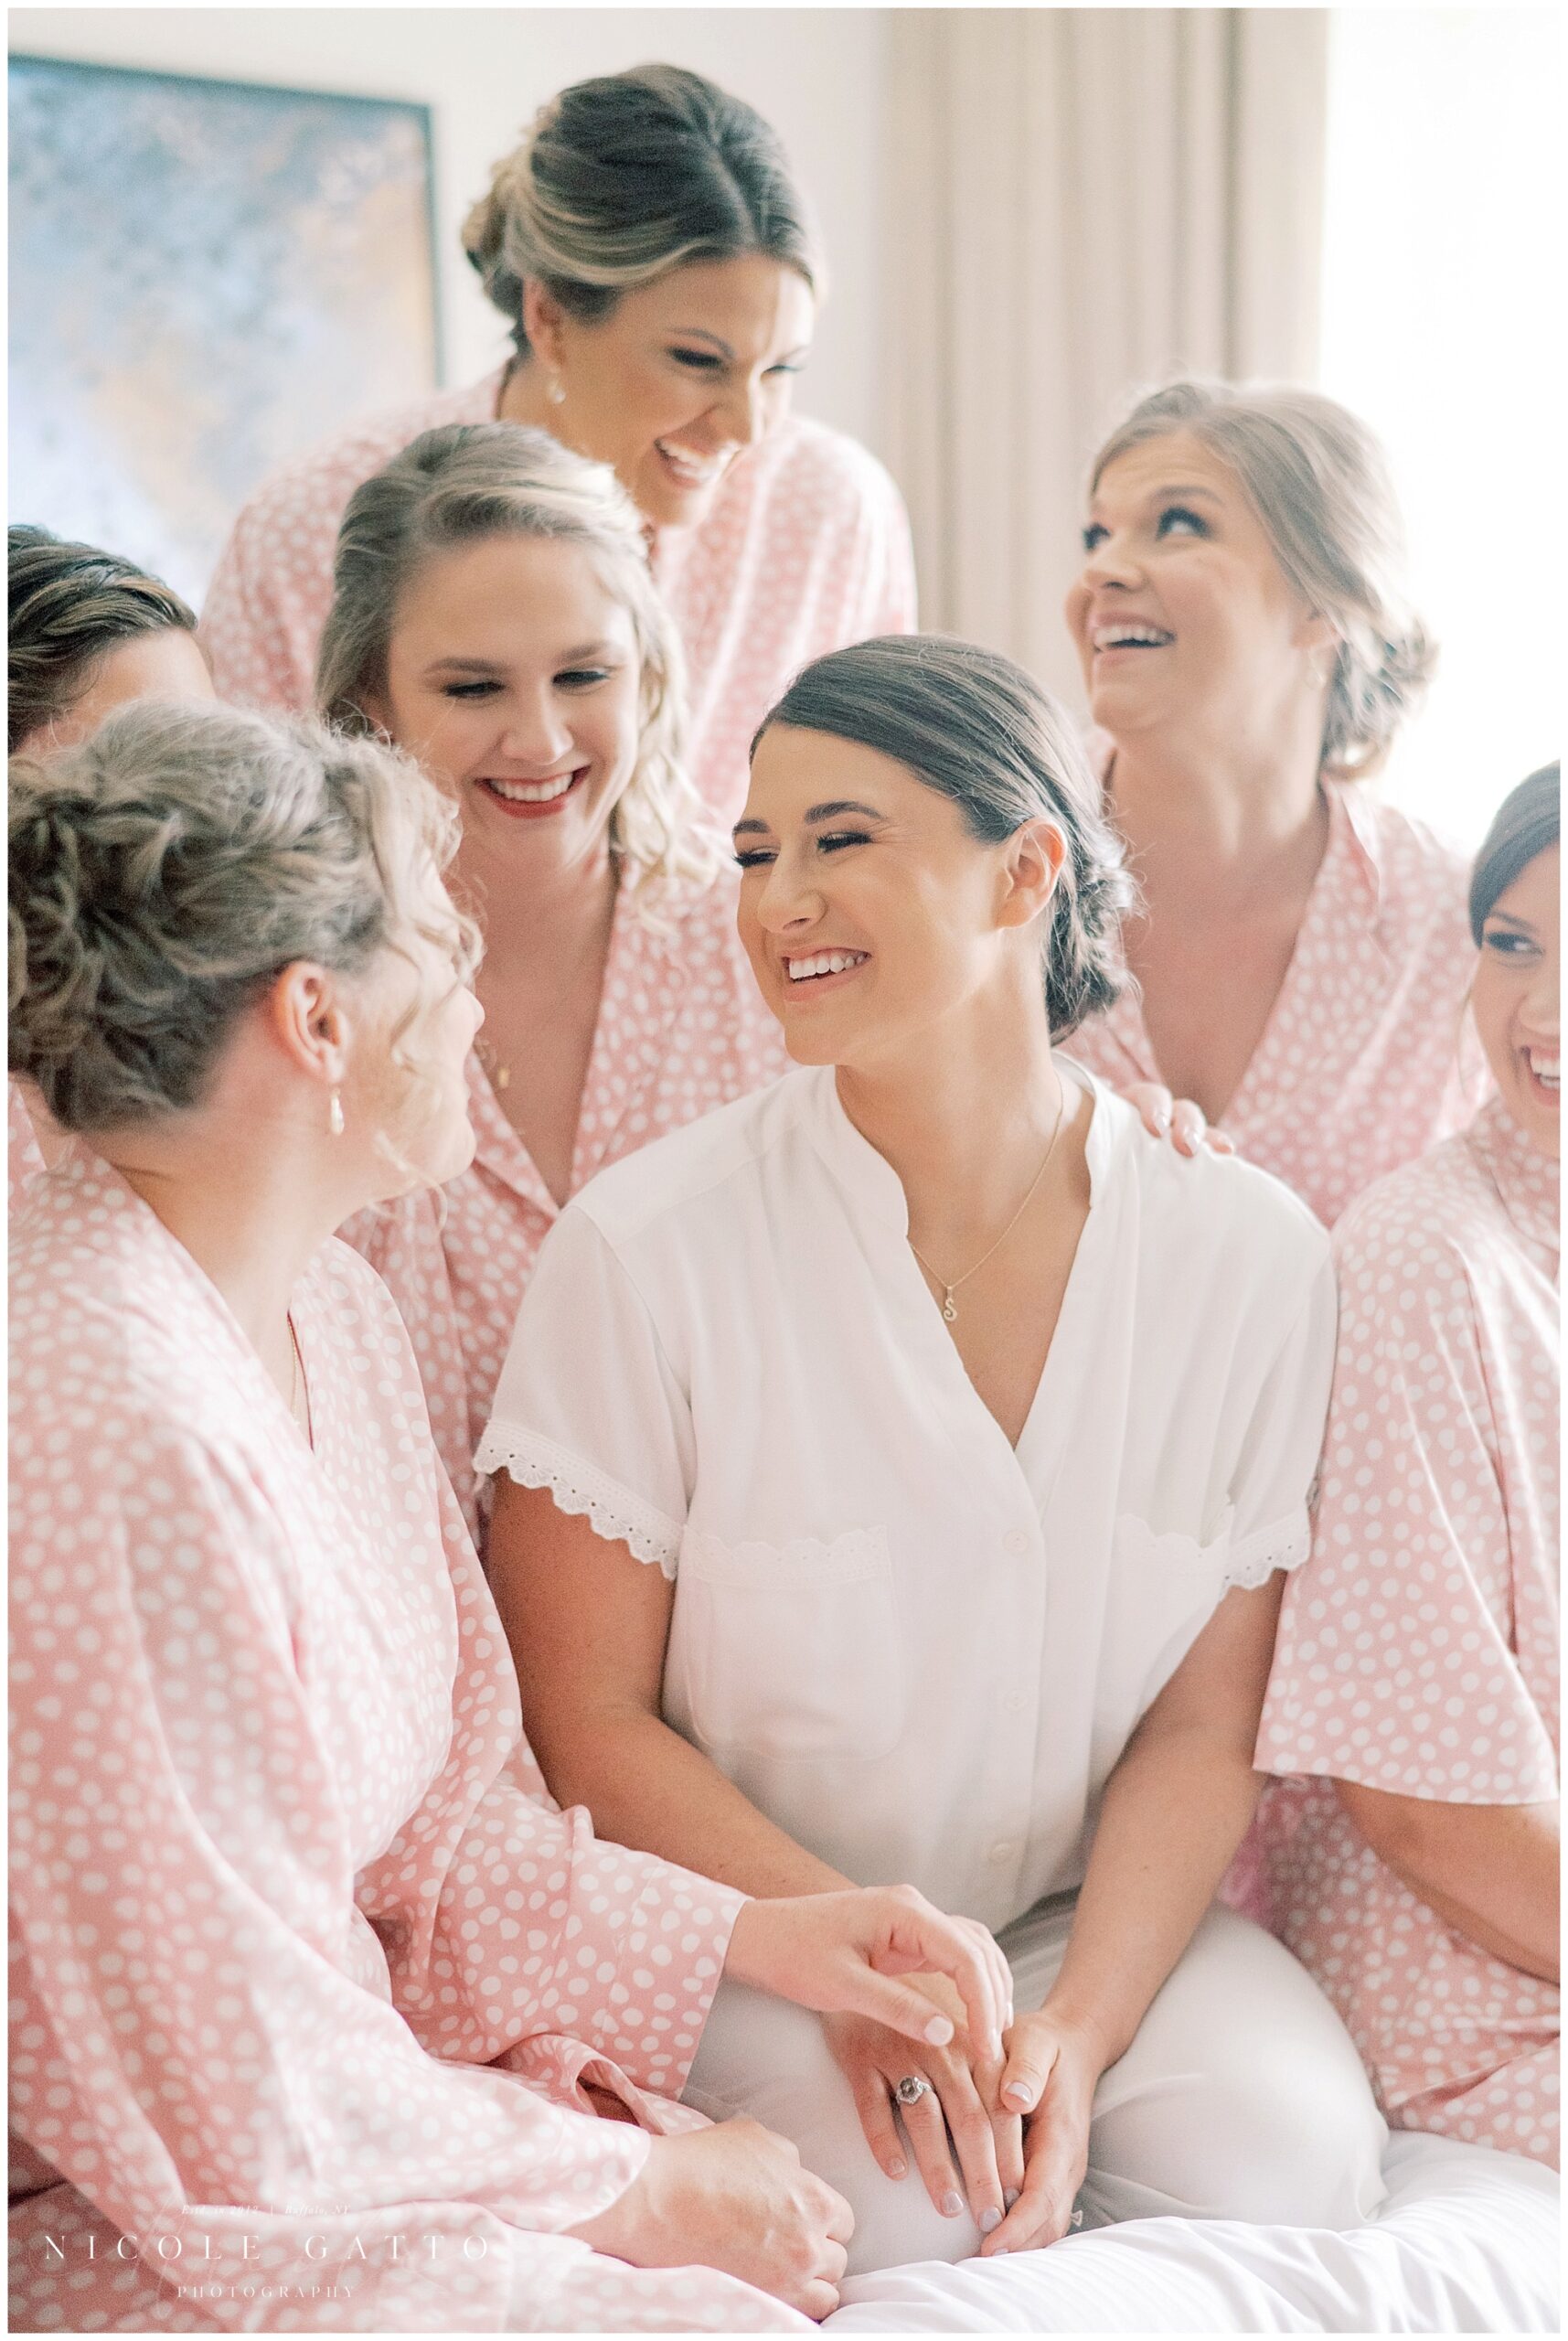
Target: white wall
818,74
1442,241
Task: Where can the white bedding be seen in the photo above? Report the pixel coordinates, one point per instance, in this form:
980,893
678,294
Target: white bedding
1466,2242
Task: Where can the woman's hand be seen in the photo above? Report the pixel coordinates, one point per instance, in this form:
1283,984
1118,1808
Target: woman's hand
1050,2077
732,2197
836,1953
1181,1119
957,2141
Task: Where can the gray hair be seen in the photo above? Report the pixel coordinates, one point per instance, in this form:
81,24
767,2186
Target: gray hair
1318,480
978,730
623,178
465,483
1527,822
164,873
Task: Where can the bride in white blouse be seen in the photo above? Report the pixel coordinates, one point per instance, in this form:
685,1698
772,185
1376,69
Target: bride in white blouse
966,1430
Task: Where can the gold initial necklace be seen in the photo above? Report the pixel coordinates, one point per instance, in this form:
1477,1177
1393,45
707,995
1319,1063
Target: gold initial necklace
950,1313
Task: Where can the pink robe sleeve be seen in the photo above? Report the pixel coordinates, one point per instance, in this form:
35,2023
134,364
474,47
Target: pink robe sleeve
510,1929
1394,1666
203,2043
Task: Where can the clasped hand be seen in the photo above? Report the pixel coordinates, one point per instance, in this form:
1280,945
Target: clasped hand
1009,2134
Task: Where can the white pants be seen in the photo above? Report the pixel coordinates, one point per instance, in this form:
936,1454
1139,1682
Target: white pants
1240,2098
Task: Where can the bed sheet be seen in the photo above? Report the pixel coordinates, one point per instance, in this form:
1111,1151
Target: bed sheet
1468,2242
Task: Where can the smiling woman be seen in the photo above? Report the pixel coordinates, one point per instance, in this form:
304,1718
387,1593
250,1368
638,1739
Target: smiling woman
1413,1863
924,1441
653,257
1249,653
493,613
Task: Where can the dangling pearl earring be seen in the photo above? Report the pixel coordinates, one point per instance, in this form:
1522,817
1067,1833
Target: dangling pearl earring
335,1113
557,390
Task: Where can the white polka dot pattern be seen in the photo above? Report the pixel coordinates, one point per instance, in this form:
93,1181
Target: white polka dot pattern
804,548
1356,1069
1418,1648
304,1959
682,1029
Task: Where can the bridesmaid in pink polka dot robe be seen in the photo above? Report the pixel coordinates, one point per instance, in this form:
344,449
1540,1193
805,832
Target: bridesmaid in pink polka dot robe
1413,1866
495,615
317,2002
1302,953
654,261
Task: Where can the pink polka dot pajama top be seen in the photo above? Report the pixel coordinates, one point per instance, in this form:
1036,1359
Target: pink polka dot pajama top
806,547
1357,1068
303,1961
1418,1648
682,1029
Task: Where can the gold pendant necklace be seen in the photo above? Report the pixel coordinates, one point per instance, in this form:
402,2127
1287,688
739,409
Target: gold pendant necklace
949,1312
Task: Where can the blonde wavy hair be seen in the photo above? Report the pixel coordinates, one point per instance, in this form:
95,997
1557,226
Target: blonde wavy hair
1318,480
166,871
468,482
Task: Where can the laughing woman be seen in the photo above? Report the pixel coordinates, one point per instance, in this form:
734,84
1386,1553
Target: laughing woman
1301,948
493,615
655,265
304,1965
900,1467
1415,1868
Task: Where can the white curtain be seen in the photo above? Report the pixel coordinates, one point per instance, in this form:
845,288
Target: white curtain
1084,201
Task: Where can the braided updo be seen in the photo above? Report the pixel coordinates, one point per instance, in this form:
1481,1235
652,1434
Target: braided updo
166,872
978,729
625,177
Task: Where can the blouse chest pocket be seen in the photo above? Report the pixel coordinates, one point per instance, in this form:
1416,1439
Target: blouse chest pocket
1164,1589
788,1651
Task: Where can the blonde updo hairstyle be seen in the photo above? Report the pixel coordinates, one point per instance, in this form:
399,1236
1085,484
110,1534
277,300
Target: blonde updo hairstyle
1318,481
466,483
623,178
163,875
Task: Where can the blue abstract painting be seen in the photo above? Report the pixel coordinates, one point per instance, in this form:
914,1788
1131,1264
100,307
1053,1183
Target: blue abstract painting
207,277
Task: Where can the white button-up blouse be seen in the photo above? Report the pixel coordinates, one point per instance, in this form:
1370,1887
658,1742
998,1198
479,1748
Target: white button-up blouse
919,1650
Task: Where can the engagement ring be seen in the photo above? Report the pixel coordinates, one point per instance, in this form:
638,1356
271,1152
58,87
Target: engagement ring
911,2088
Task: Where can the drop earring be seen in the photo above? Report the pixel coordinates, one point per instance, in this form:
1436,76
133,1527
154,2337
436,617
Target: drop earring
335,1113
557,392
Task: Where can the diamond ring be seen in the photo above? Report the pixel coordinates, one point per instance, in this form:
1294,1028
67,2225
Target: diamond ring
911,2088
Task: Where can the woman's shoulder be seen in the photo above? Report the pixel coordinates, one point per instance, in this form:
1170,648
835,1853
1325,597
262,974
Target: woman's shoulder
1426,1219
1217,1209
671,1191
115,1357
1423,877
807,466
323,479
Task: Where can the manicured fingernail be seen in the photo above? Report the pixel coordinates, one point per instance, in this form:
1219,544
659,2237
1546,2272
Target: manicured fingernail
1162,1124
897,2169
1009,2196
951,2204
1000,2252
989,2218
1017,2093
939,2031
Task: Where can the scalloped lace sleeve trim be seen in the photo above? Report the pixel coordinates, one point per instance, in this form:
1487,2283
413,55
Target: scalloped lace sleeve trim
578,1487
1253,1559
